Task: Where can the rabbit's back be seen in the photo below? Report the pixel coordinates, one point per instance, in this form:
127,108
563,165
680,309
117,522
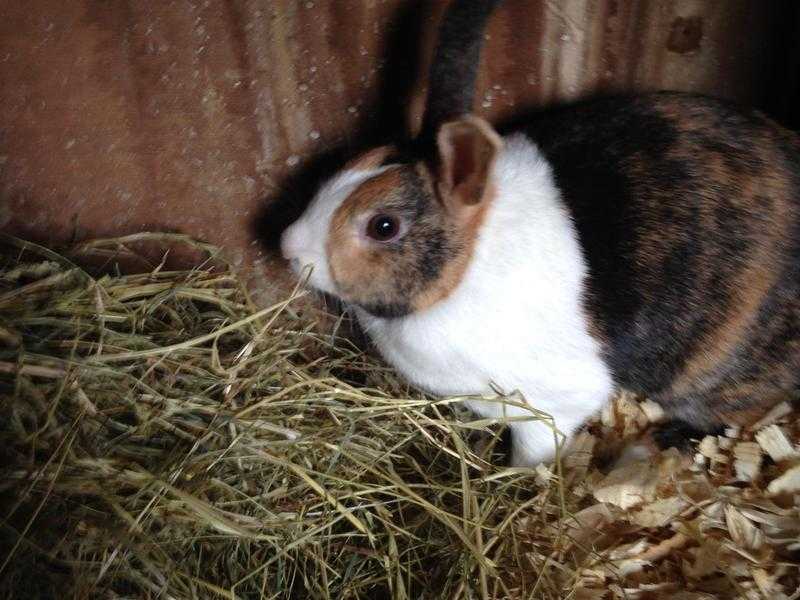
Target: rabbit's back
688,213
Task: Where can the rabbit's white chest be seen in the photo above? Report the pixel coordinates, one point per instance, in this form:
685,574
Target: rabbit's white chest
551,366
432,356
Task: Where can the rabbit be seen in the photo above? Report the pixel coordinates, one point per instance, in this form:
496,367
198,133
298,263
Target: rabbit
648,243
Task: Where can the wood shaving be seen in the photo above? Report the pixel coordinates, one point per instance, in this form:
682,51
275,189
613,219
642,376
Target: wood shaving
776,444
743,532
747,461
787,483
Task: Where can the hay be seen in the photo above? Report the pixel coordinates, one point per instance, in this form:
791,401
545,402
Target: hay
163,437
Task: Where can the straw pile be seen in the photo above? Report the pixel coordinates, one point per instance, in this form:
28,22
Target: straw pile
164,438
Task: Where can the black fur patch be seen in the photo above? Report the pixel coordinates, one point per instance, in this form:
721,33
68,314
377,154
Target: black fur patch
679,434
451,82
426,247
388,310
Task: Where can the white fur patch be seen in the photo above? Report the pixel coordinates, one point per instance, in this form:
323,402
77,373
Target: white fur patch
303,242
516,319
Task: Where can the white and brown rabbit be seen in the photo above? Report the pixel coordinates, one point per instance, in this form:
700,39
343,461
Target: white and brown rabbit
649,243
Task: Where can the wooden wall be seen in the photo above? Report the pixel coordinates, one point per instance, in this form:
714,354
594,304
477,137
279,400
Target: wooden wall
195,115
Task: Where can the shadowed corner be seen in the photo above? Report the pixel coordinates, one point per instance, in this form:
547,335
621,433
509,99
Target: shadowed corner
384,121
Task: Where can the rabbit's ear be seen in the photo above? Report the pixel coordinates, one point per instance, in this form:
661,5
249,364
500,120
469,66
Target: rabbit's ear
467,149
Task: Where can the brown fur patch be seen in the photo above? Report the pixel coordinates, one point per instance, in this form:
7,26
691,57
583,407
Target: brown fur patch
370,193
756,223
754,276
371,159
363,270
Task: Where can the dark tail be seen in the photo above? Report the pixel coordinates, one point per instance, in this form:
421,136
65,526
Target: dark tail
451,84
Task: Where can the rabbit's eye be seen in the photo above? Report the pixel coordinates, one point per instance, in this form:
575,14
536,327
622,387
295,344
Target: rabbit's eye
383,228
